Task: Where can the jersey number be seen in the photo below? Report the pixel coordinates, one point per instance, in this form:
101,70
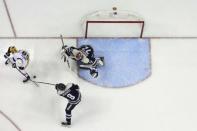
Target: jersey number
71,96
87,50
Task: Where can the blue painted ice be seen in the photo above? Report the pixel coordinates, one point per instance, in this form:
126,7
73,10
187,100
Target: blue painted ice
127,61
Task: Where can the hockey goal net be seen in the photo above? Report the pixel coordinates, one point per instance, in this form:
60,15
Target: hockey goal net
113,24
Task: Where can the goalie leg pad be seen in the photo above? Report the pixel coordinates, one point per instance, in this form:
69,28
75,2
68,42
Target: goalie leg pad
100,61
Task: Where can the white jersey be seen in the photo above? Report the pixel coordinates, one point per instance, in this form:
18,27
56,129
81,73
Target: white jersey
20,59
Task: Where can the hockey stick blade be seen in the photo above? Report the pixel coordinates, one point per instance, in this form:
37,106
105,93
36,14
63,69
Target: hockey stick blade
35,83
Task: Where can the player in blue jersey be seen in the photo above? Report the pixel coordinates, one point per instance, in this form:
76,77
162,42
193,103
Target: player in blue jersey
71,92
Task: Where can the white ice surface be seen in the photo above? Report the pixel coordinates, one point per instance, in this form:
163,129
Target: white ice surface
6,125
165,102
52,17
5,28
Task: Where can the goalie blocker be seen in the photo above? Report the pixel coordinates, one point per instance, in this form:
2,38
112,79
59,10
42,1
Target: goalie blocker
84,56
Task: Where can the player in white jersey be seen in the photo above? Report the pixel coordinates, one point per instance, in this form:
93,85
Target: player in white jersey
18,59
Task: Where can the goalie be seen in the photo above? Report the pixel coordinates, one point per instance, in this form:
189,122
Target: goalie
84,56
19,59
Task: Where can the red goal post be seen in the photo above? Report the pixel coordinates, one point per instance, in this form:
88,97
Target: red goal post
114,19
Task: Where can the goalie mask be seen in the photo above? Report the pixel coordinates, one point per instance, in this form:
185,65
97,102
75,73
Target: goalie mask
79,56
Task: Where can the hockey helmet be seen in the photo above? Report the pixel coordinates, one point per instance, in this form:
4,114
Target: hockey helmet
64,46
12,49
60,88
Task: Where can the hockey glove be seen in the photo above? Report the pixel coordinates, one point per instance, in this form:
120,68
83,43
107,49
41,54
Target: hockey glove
7,61
6,55
64,47
14,65
21,68
66,50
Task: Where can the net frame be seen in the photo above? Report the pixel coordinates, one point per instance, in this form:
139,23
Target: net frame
108,16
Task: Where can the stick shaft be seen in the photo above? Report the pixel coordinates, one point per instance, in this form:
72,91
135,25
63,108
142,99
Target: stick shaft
61,37
63,46
44,83
26,77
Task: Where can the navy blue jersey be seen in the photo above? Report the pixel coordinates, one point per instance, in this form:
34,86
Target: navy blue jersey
87,50
72,94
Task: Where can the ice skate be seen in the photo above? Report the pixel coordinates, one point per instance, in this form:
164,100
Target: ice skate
66,124
27,79
94,73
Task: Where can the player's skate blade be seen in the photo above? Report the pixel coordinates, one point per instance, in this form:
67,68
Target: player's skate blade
27,79
66,124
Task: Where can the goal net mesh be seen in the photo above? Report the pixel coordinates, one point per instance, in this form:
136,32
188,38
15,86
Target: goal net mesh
113,24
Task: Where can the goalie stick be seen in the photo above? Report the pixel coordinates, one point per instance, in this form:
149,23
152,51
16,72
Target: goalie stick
68,63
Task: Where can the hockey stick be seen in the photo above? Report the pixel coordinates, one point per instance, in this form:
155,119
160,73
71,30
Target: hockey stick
36,82
44,83
26,77
23,73
61,37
